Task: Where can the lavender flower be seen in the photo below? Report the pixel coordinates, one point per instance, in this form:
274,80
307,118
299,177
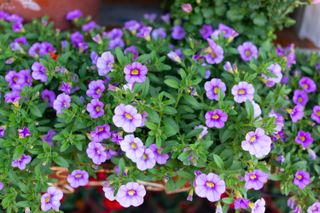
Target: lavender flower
304,139
166,18
213,87
257,143
2,131
314,208
144,32
227,31
204,131
214,53
146,161
307,84
127,117
89,26
242,92
174,56
48,138
248,51
23,133
159,157
39,72
300,97
312,154
216,118
108,191
256,179
316,114
74,14
133,50
131,194
259,206
101,133
241,203
297,113
14,80
133,147
275,69
95,108
34,50
278,119
51,199
132,26
301,179
97,153
96,89
62,102
22,162
205,31
48,96
210,186
150,16
78,178
12,97
135,72
1,185
159,33
178,33
105,63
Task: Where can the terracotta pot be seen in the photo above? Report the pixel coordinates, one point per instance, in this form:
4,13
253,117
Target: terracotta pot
55,9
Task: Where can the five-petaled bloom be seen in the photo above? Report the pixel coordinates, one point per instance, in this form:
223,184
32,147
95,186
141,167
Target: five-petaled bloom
259,206
159,157
216,118
51,199
95,108
248,51
131,194
300,97
242,92
127,117
307,84
256,179
210,186
316,114
96,89
146,161
135,72
78,178
132,146
22,162
213,87
314,208
301,179
39,72
257,143
97,153
241,203
304,139
101,133
62,102
105,63
296,113
214,53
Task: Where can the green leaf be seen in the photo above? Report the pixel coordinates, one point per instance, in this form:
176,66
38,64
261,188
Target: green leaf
219,162
35,111
170,127
120,56
249,109
172,83
121,166
61,161
19,150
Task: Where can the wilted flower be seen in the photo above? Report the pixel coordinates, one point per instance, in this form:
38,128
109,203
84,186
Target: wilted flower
204,131
49,137
259,206
22,162
159,157
2,131
301,179
131,194
159,33
48,96
108,191
174,56
275,69
227,32
209,186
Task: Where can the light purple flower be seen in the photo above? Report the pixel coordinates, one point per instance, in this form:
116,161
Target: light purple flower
166,18
204,131
150,16
46,47
256,179
133,147
209,186
257,143
12,97
256,109
1,185
178,33
95,108
74,14
159,157
108,191
216,118
49,137
39,72
22,162
62,102
307,84
113,34
14,79
213,87
34,50
288,54
101,133
301,179
316,114
174,56
248,51
78,178
214,53
97,153
159,33
132,26
105,63
23,133
259,206
65,87
127,117
96,88
2,131
304,139
274,69
135,72
146,161
227,31
144,32
51,199
297,113
300,97
94,57
205,31
131,194
314,208
89,26
242,92
312,154
48,96
241,203
279,119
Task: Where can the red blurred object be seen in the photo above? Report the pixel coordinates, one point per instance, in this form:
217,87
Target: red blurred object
112,205
54,56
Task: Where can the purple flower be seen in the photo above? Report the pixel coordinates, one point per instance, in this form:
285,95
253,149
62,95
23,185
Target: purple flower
227,31
78,178
307,84
166,18
242,92
22,162
288,54
144,32
89,26
213,87
248,51
94,57
77,40
14,80
116,137
133,50
23,133
46,48
256,109
214,53
314,208
187,8
62,102
101,133
133,147
12,97
65,87
316,114
132,26
174,56
74,14
312,154
256,179
300,97
259,206
1,185
278,119
48,96
159,33
108,191
301,179
135,72
96,89
304,139
146,161
2,131
296,113
274,69
49,137
210,186
95,108
105,63
97,153
39,72
178,33
118,42
241,203
25,78
216,118
131,194
34,50
159,157
150,16
114,34
206,31
257,143
127,117
204,131
51,199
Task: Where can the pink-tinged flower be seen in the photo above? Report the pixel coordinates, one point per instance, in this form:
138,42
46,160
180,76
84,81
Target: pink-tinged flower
242,92
214,53
101,133
131,194
301,179
97,153
206,31
300,97
248,51
296,113
127,117
257,143
39,72
135,72
227,31
304,139
95,108
316,114
275,69
105,63
146,161
256,179
259,206
108,191
133,147
279,119
204,131
62,102
178,33
74,14
96,88
315,2
48,96
241,203
78,178
159,157
187,8
307,84
216,118
2,131
174,56
213,87
23,133
51,199
209,186
314,208
22,162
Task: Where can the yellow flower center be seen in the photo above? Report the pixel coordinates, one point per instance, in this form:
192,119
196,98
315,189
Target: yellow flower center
131,192
318,113
306,86
100,129
145,156
241,91
133,145
98,108
253,177
48,199
78,175
248,52
302,138
210,184
15,79
252,139
129,116
215,116
300,99
98,91
216,90
213,54
135,72
299,177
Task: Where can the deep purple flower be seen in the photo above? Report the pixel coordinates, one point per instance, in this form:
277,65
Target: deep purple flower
178,33
34,50
14,80
12,97
296,113
133,147
131,194
65,87
132,26
49,137
159,33
89,26
206,31
96,88
22,162
46,48
242,92
2,131
213,87
301,179
100,133
39,72
105,63
300,97
51,199
97,153
248,51
78,178
127,117
159,157
257,143
214,53
227,31
77,39
316,114
23,133
256,179
274,69
314,208
25,78
95,108
241,203
209,186
135,72
74,14
62,102
146,161
116,137
307,84
133,50
259,206
216,118
48,96
304,139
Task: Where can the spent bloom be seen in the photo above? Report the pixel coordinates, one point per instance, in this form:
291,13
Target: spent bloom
300,97
39,72
96,88
48,96
127,117
213,87
227,31
209,186
257,143
178,33
241,203
256,179
259,206
133,147
146,161
307,84
24,132
100,133
51,199
214,53
248,51
22,162
216,118
304,139
131,194
296,113
204,131
95,108
144,32
97,153
279,119
159,157
105,63
135,72
242,92
174,56
62,102
78,178
159,33
48,138
301,179
314,208
316,114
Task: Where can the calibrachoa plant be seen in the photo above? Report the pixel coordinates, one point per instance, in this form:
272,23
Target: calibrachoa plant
154,103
